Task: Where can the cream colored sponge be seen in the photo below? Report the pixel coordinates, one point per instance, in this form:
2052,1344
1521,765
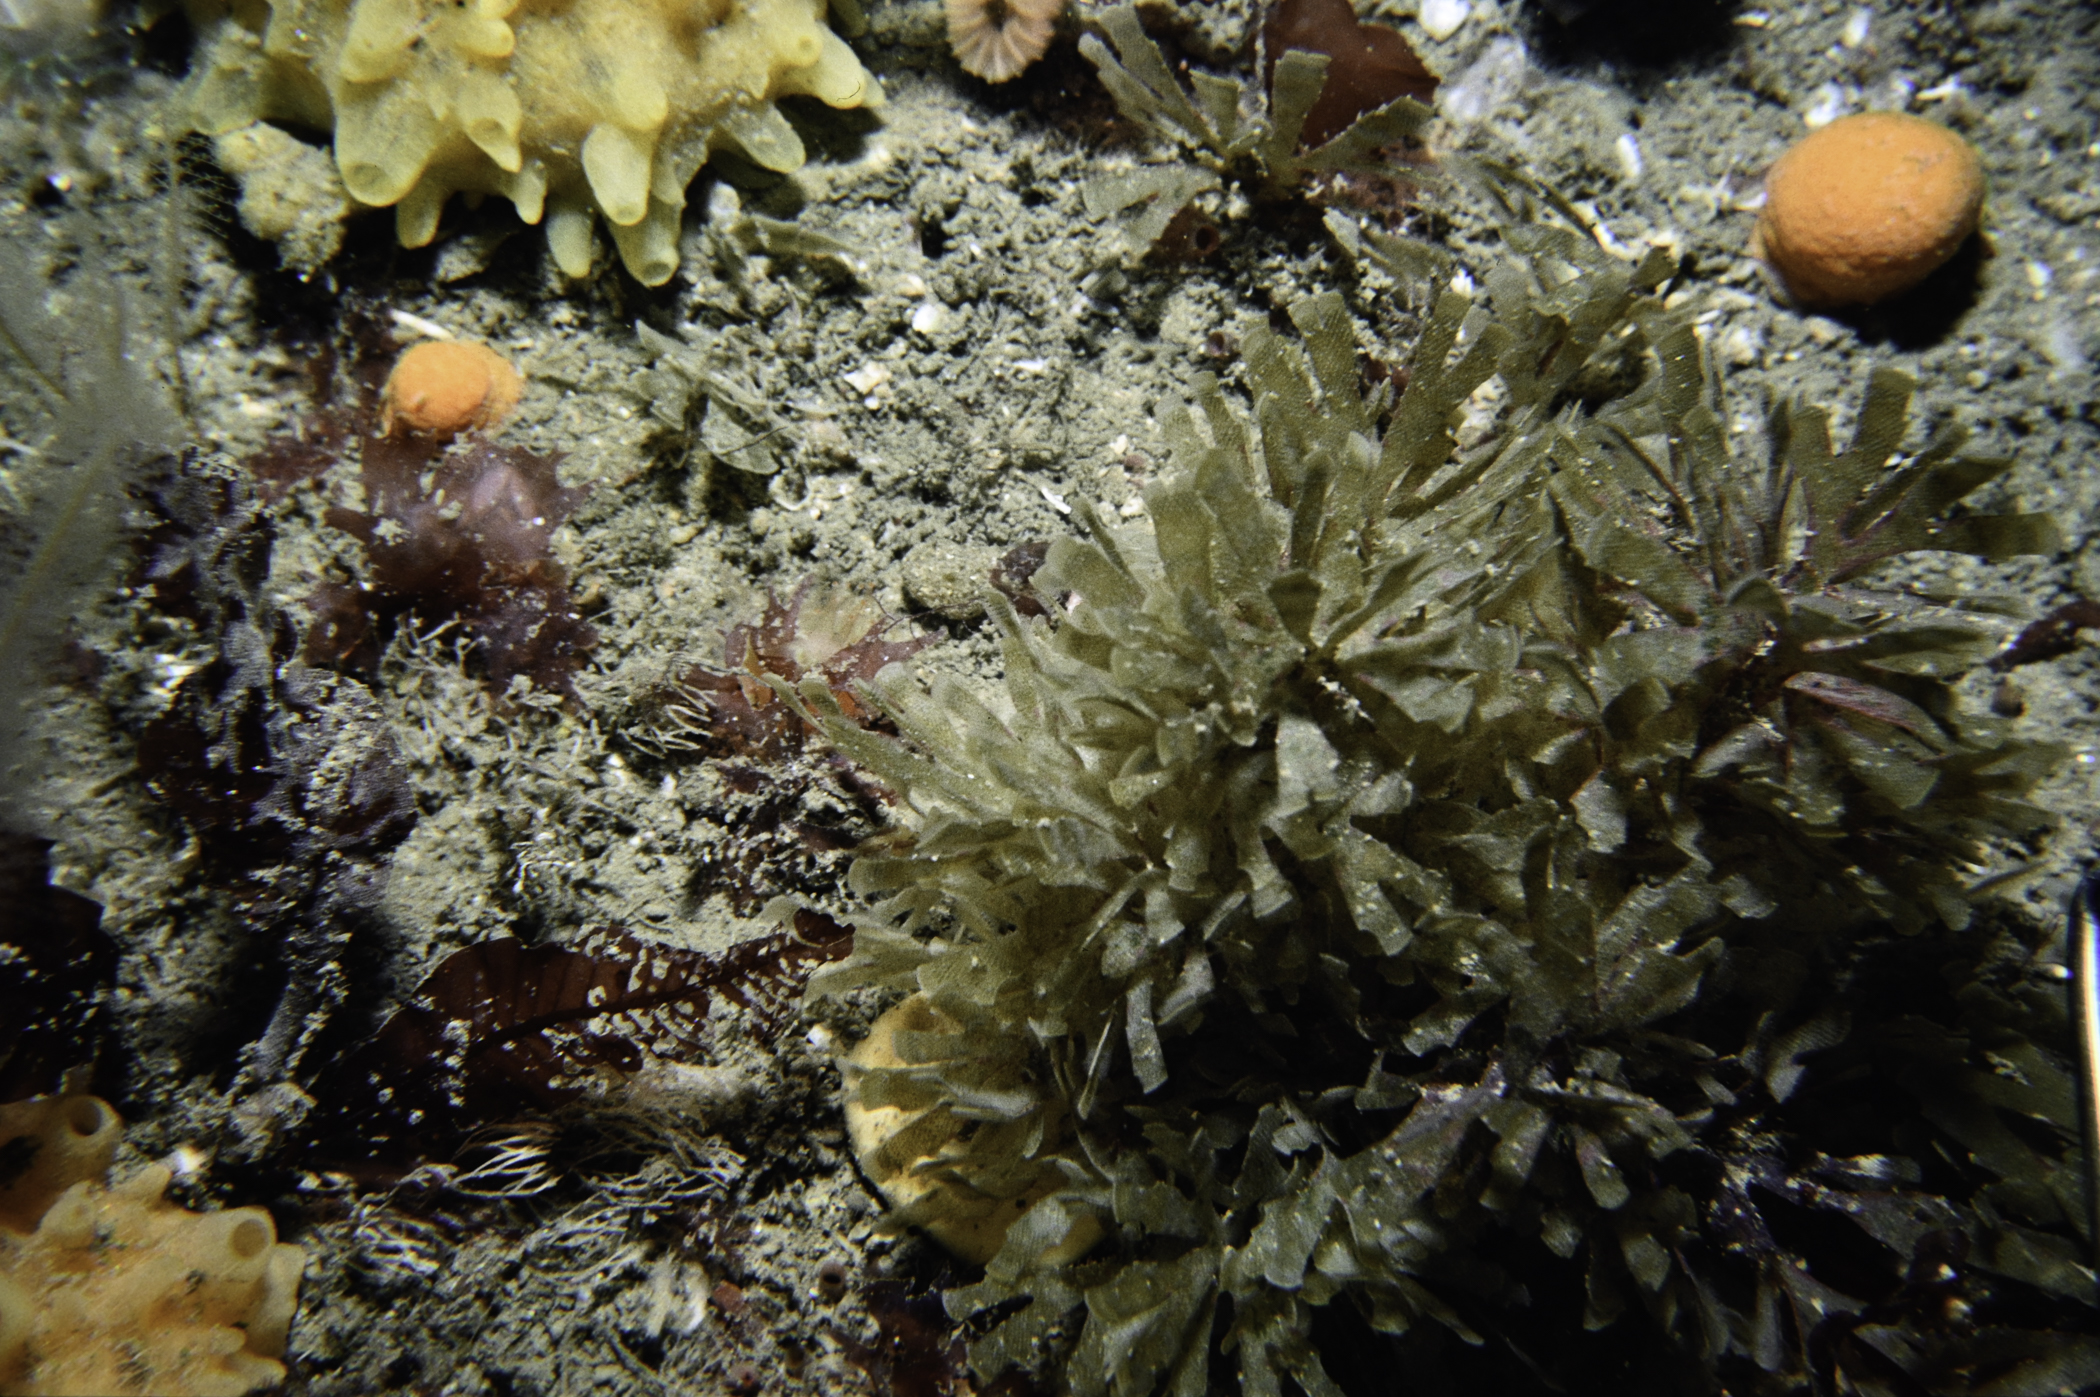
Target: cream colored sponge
564,107
48,1144
113,1290
909,1149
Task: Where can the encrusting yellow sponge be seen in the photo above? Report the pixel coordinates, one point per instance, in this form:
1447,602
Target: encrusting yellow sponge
906,1146
566,109
116,1290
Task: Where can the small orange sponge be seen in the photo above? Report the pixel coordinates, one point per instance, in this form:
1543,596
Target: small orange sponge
1868,206
444,387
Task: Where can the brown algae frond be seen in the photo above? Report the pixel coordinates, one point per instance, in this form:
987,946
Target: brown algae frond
1406,884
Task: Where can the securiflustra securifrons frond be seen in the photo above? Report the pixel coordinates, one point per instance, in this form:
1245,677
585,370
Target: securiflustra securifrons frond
1402,878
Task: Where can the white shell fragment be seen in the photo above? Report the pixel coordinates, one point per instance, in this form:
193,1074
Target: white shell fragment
1440,19
868,378
1628,149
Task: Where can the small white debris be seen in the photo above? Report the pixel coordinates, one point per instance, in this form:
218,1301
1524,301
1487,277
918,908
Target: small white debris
1601,231
1669,239
1133,508
2039,276
911,287
822,1039
1055,500
173,670
1829,105
1855,31
2063,345
1120,447
866,379
1480,413
421,326
1754,19
1949,91
1440,19
1032,366
929,317
1496,77
186,1161
1741,346
1462,282
1607,240
1628,149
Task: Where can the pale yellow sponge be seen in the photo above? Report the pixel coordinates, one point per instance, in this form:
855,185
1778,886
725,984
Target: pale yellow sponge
564,107
908,1143
116,1290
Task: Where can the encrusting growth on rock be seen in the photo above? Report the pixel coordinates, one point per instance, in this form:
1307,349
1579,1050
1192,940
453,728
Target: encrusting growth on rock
1867,207
998,39
443,387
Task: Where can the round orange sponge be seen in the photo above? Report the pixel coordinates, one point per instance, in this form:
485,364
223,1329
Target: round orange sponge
1868,206
444,387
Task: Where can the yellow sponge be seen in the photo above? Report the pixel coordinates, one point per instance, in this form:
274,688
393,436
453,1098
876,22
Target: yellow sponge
908,1149
561,106
111,1290
48,1144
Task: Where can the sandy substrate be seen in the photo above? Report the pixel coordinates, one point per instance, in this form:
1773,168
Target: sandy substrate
988,356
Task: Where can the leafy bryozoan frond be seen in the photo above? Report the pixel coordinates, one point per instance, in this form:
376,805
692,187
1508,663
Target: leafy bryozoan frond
1223,134
1409,880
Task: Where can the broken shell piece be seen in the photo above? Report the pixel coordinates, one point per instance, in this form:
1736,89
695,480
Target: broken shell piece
867,378
1440,19
929,317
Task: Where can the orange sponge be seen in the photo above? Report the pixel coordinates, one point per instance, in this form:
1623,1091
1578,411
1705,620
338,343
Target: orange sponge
444,387
1868,206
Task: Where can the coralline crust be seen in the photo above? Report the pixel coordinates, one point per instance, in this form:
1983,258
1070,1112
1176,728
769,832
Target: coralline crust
115,1289
568,110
